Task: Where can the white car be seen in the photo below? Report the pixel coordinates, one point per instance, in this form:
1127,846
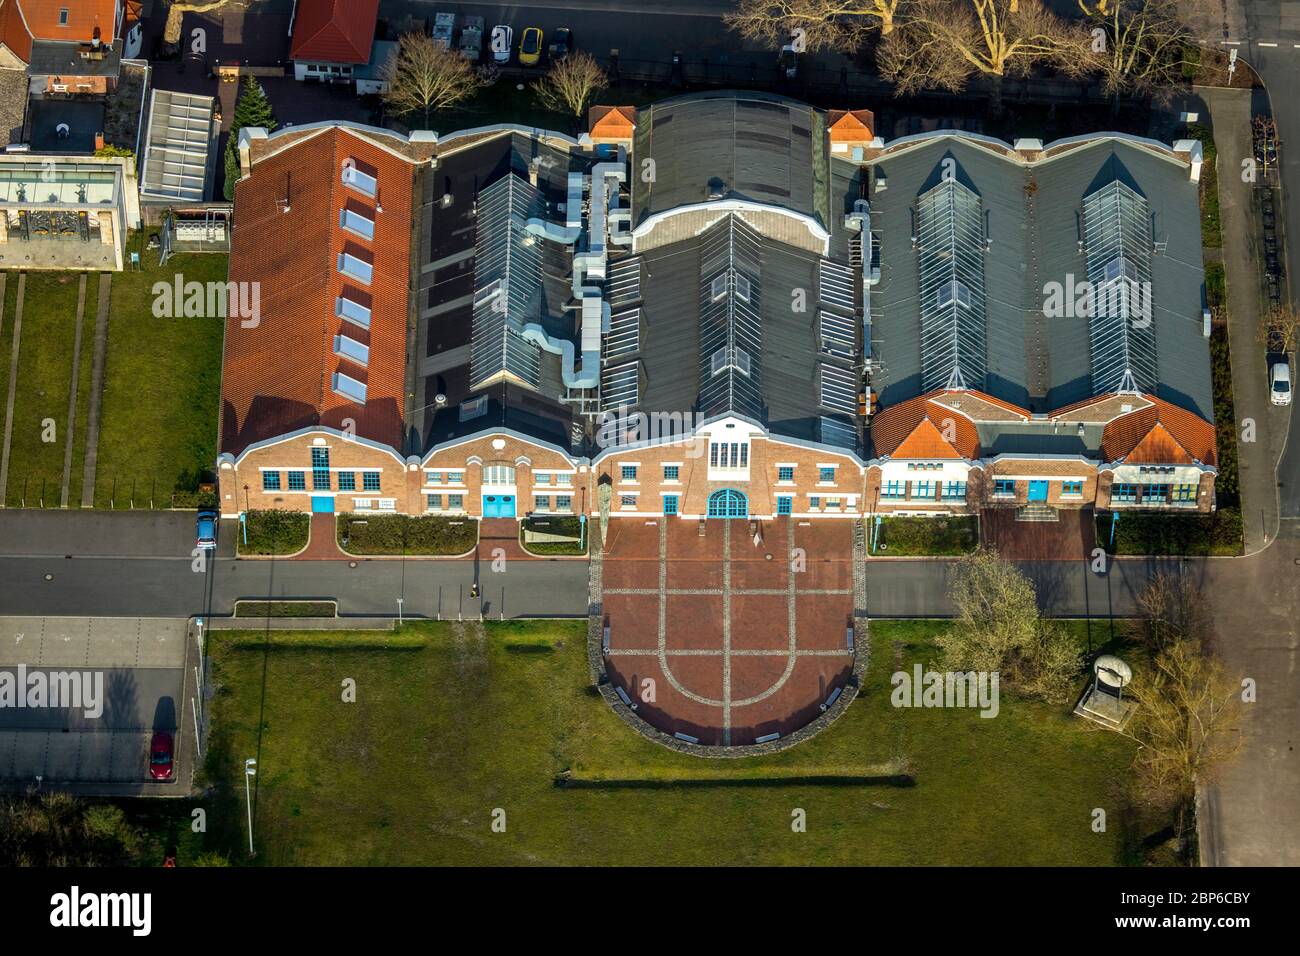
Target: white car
501,42
1279,383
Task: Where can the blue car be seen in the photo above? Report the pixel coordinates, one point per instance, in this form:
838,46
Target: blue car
208,530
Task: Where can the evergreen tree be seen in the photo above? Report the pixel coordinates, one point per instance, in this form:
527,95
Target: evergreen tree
251,109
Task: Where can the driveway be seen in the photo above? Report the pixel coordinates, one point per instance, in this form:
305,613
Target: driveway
131,675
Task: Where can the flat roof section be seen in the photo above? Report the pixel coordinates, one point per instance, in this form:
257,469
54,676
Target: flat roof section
178,147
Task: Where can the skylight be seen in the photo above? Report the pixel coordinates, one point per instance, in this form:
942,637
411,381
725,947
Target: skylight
363,183
349,387
353,312
356,223
350,348
355,268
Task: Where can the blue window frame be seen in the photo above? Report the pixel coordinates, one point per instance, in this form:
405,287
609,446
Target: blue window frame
1156,494
563,502
629,472
825,474
270,481
320,469
954,489
297,481
347,481
728,503
1004,487
670,504
923,489
785,473
1184,492
892,489
1071,489
784,505
434,502
370,481
670,474
1123,491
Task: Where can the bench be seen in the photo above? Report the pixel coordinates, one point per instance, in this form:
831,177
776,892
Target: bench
830,701
848,637
604,644
767,738
622,695
686,737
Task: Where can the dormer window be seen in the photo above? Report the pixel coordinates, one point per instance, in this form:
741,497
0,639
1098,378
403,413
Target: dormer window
357,224
954,291
363,183
63,16
352,311
354,268
349,348
349,387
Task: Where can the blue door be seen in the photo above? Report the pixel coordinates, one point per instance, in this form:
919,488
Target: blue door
507,509
784,505
498,506
728,503
1038,491
322,504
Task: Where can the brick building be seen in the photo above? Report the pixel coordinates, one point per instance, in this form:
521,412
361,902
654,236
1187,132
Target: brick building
721,305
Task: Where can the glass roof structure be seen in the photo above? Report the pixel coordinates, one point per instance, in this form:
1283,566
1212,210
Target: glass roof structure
950,243
731,332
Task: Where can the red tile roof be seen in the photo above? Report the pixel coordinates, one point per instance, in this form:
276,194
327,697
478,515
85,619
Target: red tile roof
1160,434
612,122
334,31
40,19
851,126
277,376
921,428
13,30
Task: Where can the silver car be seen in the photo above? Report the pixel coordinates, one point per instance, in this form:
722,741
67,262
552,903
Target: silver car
502,42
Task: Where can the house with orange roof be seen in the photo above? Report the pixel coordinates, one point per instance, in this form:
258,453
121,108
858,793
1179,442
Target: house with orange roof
332,38
68,47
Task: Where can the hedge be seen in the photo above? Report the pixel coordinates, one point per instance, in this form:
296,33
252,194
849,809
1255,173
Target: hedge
1193,535
406,534
923,535
275,531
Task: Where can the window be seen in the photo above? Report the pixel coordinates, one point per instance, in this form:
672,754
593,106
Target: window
954,290
370,481
825,474
349,387
728,454
892,489
564,481
498,475
63,16
670,473
1071,489
434,502
347,481
670,504
356,223
563,502
833,504
351,311
629,472
455,477
355,268
542,479
542,502
270,481
433,477
1004,488
1156,494
785,473
349,348
455,502
784,505
363,183
320,469
297,481
814,503
362,504
627,501
1181,492
923,489
954,489
387,504
1123,491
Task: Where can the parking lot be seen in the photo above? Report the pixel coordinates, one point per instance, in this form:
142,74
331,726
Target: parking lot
132,680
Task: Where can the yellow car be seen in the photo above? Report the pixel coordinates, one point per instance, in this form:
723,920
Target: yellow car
530,47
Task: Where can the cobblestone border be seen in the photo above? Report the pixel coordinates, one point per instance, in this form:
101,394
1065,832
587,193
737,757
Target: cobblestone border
861,658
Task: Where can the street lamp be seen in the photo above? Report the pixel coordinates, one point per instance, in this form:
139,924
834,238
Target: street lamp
399,611
250,771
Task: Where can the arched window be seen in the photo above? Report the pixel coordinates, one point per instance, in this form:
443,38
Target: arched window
728,503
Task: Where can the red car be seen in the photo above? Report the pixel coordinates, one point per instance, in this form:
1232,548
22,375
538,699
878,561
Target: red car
160,756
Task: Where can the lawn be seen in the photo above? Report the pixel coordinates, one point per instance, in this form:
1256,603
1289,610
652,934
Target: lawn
162,385
568,526
44,384
912,535
452,722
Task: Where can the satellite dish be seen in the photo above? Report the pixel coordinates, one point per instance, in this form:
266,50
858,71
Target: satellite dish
62,130
1112,671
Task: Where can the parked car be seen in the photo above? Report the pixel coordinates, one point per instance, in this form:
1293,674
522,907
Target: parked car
530,47
1279,383
207,529
160,756
502,42
788,61
444,26
471,38
561,43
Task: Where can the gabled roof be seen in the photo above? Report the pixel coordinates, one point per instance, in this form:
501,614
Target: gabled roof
925,428
278,373
612,122
334,31
851,126
40,21
14,33
1159,434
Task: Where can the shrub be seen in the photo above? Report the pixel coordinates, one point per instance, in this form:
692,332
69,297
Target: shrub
406,534
275,531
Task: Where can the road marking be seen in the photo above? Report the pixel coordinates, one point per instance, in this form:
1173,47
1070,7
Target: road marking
1262,43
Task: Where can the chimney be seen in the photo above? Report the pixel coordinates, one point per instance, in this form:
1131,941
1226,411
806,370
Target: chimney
1029,150
246,137
1190,152
99,141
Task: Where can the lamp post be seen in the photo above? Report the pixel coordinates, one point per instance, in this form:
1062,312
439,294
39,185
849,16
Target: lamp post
250,771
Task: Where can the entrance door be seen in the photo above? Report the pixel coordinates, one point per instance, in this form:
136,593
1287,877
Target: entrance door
498,506
728,503
322,504
507,509
1038,491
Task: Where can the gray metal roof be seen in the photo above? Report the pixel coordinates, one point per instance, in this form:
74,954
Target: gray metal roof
178,147
747,145
1035,226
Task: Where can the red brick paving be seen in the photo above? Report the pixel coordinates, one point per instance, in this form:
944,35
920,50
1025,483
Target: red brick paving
758,622
323,544
1072,538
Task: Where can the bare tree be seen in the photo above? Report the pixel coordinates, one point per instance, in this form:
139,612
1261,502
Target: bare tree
1280,329
1174,609
1139,46
423,77
842,25
571,83
943,43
